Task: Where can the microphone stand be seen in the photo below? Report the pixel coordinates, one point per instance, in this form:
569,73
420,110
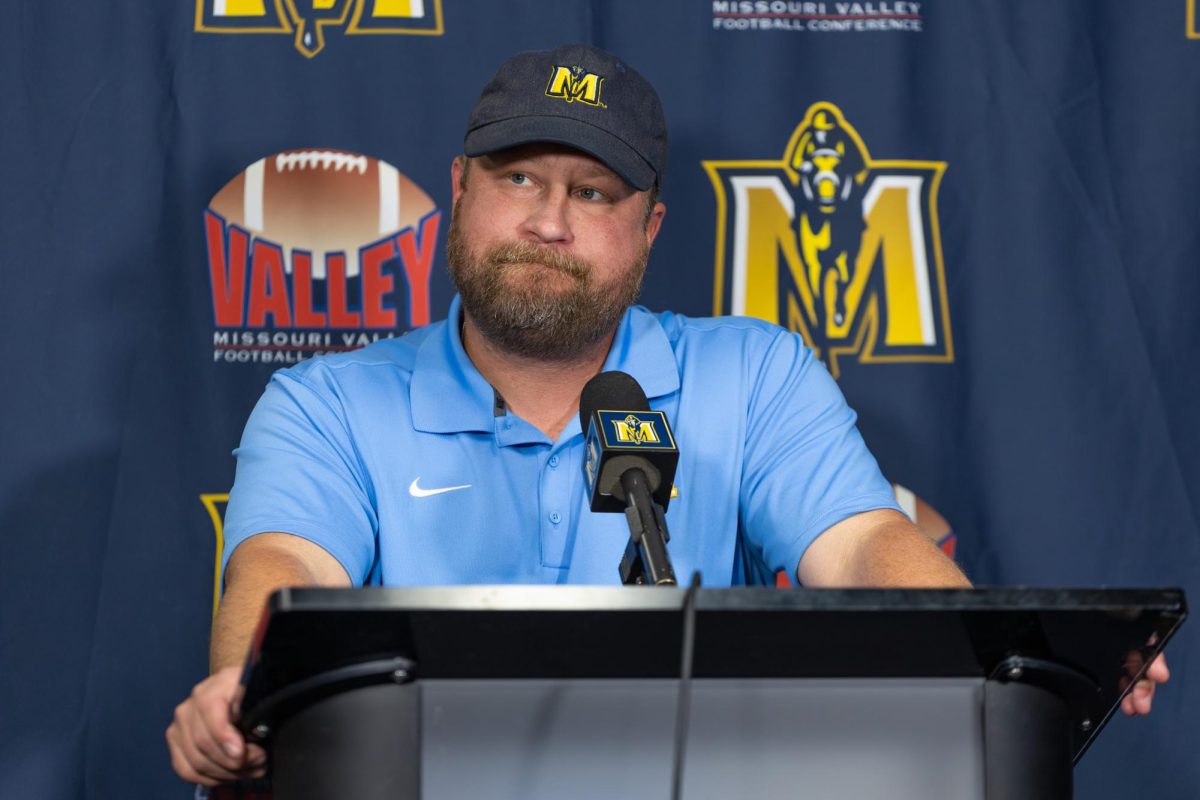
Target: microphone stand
645,560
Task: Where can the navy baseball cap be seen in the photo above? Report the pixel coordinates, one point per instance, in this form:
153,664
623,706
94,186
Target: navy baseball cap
576,95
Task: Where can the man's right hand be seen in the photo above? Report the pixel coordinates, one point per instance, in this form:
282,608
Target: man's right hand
205,746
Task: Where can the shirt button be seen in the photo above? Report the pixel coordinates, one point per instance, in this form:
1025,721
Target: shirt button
555,517
553,462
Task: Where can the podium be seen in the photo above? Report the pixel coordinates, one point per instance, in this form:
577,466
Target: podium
571,692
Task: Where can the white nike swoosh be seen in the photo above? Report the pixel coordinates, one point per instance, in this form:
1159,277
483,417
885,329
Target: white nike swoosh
417,491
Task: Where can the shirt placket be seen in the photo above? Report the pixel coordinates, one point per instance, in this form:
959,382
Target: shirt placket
555,522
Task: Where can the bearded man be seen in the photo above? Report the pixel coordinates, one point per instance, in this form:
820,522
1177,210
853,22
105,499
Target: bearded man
452,455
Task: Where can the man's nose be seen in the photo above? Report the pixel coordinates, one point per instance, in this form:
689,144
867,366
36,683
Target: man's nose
548,218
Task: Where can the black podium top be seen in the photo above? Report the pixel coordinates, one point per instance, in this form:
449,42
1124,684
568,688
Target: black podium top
1080,643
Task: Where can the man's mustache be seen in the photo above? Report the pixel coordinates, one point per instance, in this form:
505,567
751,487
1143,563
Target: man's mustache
528,253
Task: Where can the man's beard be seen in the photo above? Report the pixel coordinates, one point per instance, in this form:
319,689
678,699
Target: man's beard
538,318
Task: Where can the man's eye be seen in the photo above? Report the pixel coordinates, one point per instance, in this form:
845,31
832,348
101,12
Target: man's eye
519,178
588,193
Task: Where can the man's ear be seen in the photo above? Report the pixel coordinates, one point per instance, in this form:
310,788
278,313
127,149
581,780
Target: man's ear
458,178
654,222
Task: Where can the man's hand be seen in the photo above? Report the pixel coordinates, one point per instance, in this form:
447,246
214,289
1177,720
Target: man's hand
1140,699
205,746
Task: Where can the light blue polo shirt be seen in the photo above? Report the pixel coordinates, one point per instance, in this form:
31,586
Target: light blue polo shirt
399,460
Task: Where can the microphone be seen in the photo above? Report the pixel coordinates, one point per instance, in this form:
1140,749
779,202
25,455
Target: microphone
623,433
628,467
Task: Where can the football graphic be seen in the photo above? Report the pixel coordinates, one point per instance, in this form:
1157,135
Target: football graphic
322,201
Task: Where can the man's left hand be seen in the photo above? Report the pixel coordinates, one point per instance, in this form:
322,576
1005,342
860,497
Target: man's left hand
1138,700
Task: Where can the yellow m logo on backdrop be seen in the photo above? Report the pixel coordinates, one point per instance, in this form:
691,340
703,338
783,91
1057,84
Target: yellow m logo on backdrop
835,245
307,20
573,84
215,503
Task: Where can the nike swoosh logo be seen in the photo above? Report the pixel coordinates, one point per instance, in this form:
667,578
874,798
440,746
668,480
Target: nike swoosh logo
417,491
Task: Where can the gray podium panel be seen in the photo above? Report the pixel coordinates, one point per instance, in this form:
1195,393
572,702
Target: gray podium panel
899,739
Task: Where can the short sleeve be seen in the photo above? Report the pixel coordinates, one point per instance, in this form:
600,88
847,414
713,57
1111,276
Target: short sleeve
806,466
298,472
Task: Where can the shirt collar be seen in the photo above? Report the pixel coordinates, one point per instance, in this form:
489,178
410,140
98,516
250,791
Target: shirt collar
448,395
641,348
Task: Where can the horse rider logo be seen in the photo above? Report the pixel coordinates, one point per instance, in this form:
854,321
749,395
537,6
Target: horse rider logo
835,245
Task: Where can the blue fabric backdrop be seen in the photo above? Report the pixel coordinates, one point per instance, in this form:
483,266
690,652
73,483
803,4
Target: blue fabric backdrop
1044,154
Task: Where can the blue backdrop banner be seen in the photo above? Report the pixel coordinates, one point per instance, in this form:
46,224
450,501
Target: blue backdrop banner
1001,270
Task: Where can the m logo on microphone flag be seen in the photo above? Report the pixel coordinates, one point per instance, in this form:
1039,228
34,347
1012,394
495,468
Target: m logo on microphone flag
643,430
632,430
836,245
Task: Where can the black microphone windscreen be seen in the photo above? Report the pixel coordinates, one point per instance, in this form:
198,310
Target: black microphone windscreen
615,391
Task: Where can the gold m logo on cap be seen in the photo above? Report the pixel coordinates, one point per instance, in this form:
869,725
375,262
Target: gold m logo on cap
573,84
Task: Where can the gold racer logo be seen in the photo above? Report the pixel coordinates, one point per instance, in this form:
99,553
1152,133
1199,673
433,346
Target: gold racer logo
306,20
836,245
